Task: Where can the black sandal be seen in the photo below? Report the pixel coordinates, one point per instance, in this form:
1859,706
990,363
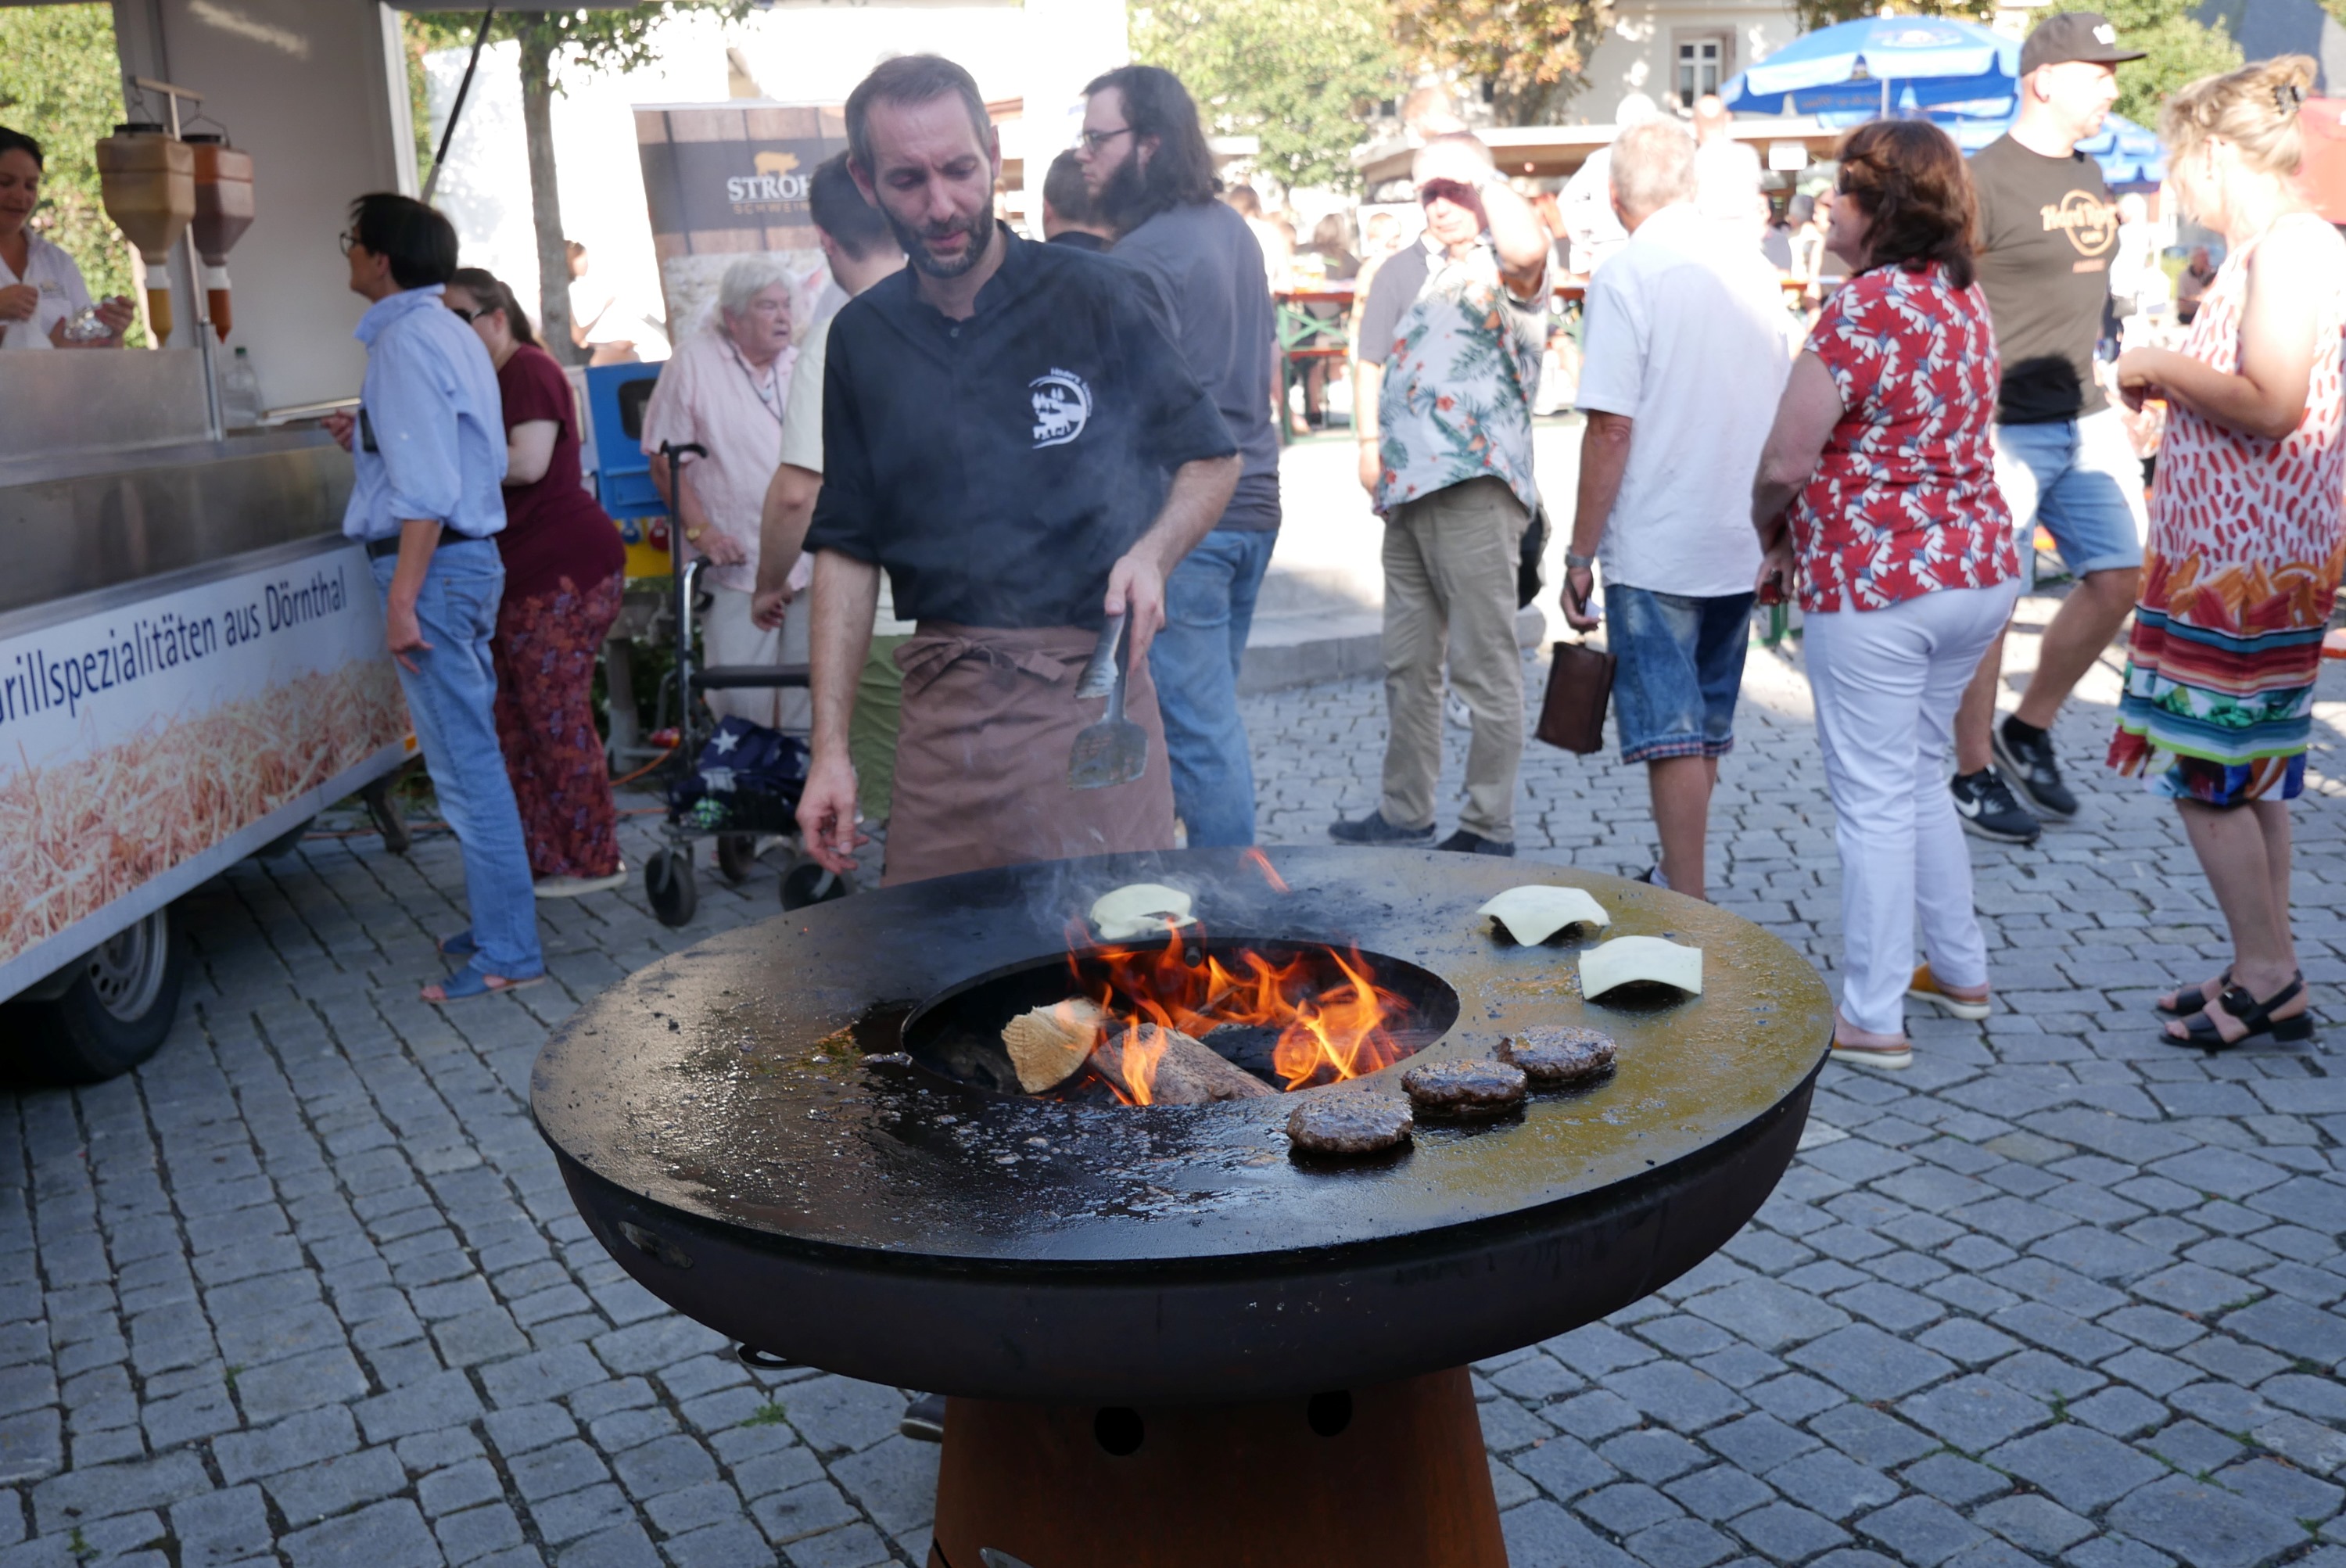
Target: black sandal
2191,999
2256,1015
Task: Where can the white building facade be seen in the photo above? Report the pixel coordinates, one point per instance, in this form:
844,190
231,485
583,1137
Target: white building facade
1674,51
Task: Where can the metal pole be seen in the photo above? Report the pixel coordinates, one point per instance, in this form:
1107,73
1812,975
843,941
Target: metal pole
457,109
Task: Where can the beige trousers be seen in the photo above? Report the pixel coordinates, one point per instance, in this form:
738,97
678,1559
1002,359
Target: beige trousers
727,635
1450,563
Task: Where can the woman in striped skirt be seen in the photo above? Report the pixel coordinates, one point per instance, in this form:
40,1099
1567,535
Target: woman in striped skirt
2246,530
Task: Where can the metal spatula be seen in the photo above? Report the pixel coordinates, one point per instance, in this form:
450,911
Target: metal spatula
1114,750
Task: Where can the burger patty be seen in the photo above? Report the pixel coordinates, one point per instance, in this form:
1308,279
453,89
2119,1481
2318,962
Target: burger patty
1353,1122
1464,1089
1560,1055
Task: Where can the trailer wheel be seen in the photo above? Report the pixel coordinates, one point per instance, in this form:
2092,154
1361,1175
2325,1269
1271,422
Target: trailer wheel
669,885
115,1012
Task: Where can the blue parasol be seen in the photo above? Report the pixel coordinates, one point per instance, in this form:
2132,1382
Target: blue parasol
2130,155
1882,65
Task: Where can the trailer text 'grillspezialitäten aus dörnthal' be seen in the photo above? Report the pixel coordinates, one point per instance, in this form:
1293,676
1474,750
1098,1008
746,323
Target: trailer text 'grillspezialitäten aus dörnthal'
41,681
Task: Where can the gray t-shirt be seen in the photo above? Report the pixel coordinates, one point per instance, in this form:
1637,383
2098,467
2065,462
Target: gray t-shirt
1213,297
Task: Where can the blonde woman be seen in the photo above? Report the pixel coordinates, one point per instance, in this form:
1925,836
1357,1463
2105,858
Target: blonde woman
2248,523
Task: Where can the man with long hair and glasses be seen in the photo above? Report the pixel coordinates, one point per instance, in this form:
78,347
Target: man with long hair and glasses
1152,182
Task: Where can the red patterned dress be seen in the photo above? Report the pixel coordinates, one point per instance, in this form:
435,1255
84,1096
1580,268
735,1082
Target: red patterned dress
2247,539
1904,499
564,566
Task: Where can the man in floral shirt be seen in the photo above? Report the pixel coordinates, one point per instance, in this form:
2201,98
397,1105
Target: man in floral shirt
1451,339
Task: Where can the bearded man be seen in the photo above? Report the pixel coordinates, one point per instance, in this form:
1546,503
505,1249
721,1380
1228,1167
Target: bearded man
1145,161
1010,434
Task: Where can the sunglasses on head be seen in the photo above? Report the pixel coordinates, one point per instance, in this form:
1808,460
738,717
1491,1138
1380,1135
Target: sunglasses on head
1447,190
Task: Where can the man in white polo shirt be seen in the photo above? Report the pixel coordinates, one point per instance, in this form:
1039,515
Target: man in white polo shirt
1688,351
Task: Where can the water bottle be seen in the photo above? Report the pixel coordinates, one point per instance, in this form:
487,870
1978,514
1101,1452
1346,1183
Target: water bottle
240,393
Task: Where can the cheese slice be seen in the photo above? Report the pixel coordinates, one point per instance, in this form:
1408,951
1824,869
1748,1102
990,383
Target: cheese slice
1533,914
1139,910
1046,1045
1626,959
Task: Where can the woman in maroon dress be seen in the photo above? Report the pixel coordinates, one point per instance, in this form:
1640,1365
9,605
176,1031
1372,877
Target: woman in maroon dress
563,573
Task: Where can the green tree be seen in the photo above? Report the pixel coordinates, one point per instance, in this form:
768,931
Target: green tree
554,43
2181,49
1533,53
1297,74
61,83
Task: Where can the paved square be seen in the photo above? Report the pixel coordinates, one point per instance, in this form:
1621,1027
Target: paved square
306,1288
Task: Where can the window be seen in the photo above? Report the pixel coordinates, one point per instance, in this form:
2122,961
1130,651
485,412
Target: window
1702,65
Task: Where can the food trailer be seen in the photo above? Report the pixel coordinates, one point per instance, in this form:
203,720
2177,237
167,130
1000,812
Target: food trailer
192,660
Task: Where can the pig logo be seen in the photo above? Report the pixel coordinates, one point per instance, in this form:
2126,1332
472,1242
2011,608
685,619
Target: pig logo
776,163
1063,406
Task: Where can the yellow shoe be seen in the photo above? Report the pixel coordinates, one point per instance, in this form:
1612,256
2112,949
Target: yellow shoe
1925,987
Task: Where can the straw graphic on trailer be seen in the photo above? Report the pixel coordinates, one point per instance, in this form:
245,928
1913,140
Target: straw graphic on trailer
95,826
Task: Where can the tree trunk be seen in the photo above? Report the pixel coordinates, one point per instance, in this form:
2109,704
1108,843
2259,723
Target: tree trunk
538,44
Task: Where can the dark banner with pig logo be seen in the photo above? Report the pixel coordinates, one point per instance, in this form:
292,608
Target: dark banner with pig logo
725,180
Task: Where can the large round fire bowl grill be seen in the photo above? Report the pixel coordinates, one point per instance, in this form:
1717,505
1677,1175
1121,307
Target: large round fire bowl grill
756,1135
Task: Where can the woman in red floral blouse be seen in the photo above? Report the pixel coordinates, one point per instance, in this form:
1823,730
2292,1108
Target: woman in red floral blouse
1876,495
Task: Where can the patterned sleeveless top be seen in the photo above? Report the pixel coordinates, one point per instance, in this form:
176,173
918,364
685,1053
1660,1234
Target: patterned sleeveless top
2247,536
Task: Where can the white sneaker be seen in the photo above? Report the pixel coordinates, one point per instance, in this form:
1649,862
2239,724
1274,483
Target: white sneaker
579,887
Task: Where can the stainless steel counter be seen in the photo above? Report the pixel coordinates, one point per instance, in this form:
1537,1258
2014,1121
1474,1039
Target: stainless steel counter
73,524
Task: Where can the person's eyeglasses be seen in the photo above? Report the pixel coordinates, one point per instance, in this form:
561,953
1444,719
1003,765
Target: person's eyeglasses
1450,190
1094,141
461,314
349,241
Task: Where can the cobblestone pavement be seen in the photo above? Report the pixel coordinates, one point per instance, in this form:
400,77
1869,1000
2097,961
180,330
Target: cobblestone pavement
306,1289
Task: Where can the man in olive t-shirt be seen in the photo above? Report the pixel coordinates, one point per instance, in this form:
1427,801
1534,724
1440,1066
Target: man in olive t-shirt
2048,231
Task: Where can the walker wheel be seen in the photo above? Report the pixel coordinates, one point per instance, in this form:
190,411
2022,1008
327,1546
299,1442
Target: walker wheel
737,856
669,885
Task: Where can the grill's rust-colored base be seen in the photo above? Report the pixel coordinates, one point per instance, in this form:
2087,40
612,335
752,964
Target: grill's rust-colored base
1404,1481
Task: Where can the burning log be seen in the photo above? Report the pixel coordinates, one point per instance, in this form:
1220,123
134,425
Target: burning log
1145,1063
1156,1067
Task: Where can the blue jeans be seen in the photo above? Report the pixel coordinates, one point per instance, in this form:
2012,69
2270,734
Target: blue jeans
1209,608
2081,479
450,695
1678,668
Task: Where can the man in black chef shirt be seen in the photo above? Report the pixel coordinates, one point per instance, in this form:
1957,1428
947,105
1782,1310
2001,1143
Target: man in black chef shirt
1011,436
2048,231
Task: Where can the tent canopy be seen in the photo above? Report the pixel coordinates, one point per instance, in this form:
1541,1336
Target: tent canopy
1887,65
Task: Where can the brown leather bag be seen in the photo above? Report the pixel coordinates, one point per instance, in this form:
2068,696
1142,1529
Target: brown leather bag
1579,685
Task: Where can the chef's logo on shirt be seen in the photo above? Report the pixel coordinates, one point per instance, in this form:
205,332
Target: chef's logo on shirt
1063,406
2090,222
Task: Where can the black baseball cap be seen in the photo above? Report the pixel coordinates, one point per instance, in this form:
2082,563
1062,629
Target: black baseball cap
2074,35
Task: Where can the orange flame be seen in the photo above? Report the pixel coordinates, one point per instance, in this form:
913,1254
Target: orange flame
1324,1033
1261,863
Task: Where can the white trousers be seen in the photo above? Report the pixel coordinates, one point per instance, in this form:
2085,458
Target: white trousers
727,635
1886,683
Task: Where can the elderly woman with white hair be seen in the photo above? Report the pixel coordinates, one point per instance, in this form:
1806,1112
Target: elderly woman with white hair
725,390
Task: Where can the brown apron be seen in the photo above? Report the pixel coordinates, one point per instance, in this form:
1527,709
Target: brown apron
990,718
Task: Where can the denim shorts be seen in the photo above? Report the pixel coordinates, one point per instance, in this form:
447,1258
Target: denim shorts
1679,663
2080,478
